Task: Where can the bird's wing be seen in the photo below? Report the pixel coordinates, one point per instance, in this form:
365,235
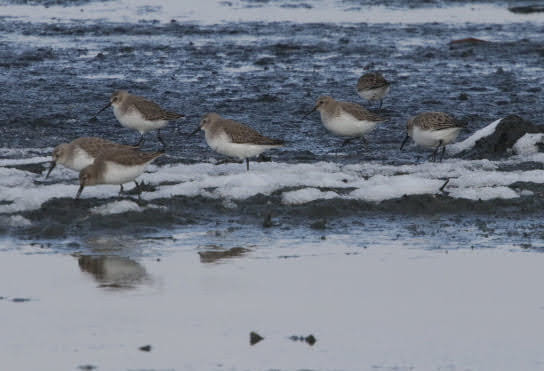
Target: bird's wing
360,113
436,121
240,133
371,81
152,111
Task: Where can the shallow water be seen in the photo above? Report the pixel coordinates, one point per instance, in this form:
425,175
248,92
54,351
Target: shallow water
357,245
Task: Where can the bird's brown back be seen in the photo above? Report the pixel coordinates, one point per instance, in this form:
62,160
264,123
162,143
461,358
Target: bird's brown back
93,145
243,134
150,110
371,81
359,112
435,121
127,156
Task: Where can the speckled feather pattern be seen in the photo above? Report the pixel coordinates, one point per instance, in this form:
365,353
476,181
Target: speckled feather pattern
433,121
242,134
371,80
93,146
357,111
150,111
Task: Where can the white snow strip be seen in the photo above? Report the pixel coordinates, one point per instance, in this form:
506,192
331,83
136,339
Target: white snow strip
306,195
116,207
24,161
216,11
526,145
298,183
471,141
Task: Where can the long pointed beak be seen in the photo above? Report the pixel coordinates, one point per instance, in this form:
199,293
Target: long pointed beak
79,191
194,132
308,114
53,164
107,105
404,141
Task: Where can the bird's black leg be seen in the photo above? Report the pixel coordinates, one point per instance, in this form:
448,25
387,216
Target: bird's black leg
381,101
159,138
346,141
138,190
436,151
247,163
121,190
141,141
433,155
443,150
404,141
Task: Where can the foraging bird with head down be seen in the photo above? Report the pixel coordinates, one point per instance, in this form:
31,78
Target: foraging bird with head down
373,86
81,152
116,166
433,130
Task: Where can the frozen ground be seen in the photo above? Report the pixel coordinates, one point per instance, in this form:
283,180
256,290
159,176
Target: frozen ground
358,245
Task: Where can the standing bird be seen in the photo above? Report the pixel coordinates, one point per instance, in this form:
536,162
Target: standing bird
433,130
230,138
138,113
373,86
80,152
116,166
345,119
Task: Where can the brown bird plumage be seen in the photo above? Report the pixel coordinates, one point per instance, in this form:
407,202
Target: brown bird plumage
433,121
371,80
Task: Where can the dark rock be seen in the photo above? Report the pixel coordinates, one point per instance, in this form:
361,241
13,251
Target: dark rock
310,339
87,367
468,40
528,9
463,96
145,348
320,224
254,338
20,300
498,144
267,223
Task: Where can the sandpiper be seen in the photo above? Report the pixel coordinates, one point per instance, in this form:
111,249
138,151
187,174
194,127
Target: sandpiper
345,119
230,138
138,113
373,86
433,130
116,166
80,153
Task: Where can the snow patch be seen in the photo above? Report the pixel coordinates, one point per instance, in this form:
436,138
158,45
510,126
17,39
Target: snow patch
16,221
306,195
527,144
468,143
116,207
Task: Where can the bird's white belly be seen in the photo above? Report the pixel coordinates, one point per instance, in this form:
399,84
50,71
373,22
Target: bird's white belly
374,94
222,144
79,160
346,125
121,174
133,119
431,138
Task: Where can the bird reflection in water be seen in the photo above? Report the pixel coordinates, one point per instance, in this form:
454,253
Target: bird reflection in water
114,272
214,253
